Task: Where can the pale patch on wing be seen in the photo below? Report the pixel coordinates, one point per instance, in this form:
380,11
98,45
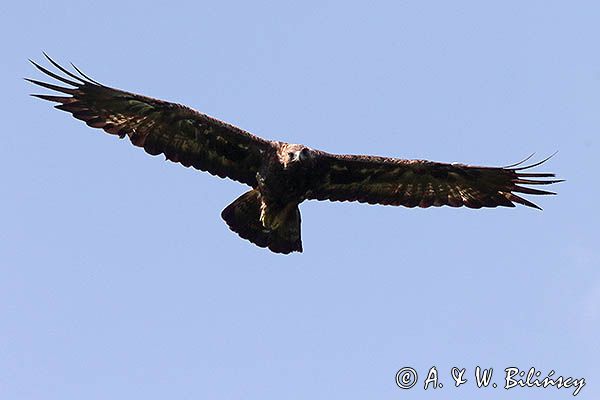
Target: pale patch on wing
337,167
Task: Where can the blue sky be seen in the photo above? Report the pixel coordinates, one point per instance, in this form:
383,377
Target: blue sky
119,278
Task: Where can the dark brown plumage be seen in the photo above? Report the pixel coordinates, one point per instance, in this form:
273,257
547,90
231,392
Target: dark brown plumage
283,175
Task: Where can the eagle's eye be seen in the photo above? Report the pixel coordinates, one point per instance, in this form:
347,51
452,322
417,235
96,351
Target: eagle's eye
304,153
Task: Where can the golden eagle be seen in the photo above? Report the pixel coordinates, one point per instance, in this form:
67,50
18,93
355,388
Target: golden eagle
282,175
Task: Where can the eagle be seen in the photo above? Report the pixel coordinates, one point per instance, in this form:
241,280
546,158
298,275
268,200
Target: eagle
282,175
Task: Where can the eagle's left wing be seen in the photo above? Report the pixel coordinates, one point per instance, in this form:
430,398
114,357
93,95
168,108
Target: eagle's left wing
411,183
182,134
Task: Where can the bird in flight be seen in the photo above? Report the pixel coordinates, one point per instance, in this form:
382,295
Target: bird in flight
282,175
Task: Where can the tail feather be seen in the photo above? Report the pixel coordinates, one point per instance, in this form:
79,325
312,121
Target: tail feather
243,216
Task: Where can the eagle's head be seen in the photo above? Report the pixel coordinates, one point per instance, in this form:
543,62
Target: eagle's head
295,156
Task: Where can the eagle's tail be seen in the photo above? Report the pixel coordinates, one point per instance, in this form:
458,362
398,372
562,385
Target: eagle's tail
245,217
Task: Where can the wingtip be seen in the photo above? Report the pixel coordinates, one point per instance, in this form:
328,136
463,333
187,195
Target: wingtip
38,66
520,162
85,76
48,57
535,164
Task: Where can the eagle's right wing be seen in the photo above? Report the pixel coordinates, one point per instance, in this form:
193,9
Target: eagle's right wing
182,134
411,183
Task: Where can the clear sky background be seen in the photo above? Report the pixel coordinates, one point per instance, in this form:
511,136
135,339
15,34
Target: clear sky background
119,280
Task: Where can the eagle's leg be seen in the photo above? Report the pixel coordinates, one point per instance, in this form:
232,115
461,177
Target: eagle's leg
273,217
277,228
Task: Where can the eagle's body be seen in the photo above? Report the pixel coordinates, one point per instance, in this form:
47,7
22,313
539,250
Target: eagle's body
286,176
283,175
